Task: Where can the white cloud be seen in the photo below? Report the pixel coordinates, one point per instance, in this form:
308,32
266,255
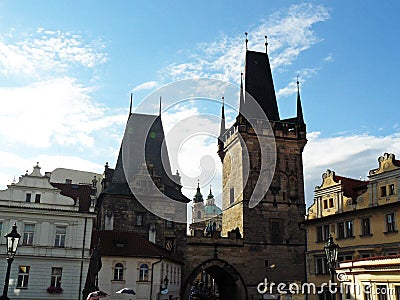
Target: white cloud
57,111
289,33
45,51
351,156
145,86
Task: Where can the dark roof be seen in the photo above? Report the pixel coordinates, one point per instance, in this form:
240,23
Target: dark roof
259,83
351,187
75,191
146,128
127,244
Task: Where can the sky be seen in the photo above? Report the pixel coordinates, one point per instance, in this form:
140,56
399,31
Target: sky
67,69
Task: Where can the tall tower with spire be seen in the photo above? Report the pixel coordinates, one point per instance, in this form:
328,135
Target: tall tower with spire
274,222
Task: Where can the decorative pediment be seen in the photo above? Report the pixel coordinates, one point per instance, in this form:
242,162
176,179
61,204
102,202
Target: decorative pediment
387,162
328,179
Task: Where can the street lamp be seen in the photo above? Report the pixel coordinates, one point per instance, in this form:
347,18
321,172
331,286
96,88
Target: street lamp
12,244
331,252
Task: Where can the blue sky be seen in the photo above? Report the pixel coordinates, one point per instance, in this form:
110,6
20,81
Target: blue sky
67,69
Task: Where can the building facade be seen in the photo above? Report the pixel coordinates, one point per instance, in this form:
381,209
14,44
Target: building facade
55,222
373,278
131,261
360,215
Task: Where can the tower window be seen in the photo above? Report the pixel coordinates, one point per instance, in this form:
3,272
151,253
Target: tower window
231,195
276,229
37,198
199,215
28,197
139,219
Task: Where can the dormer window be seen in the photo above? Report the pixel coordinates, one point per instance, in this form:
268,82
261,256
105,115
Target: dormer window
68,181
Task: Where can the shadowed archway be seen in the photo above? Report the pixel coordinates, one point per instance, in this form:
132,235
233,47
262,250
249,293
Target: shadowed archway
229,282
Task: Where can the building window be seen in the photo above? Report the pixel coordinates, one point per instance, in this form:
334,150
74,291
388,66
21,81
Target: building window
29,230
1,228
37,198
367,291
349,228
365,226
231,195
275,232
143,272
345,229
365,255
139,219
391,189
340,230
326,232
319,234
390,223
23,276
61,232
321,266
68,181
199,215
325,204
383,191
56,274
331,202
397,287
119,271
382,291
28,197
169,224
343,257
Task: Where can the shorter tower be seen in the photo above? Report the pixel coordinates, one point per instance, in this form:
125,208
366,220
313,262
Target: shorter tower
198,206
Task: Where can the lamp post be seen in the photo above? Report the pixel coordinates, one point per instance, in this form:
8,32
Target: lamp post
12,244
331,252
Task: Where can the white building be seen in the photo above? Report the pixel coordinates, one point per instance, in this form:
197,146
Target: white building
55,222
131,261
372,278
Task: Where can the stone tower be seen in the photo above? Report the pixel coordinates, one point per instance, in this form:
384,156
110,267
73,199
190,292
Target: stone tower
275,220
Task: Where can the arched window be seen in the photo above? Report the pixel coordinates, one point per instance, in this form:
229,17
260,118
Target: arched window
199,215
144,272
119,271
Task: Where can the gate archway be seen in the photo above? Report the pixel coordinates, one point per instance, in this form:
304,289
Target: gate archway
227,278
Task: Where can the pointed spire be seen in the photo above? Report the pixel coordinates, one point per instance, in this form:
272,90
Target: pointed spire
241,99
246,39
130,105
266,44
198,197
300,118
222,128
159,113
210,195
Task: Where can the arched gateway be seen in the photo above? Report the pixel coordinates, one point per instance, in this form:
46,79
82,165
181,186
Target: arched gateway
228,280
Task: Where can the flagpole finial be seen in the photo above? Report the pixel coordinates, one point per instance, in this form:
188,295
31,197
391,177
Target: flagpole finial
247,41
266,44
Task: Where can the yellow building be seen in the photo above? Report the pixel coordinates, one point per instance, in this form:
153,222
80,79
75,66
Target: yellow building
360,215
375,278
